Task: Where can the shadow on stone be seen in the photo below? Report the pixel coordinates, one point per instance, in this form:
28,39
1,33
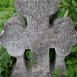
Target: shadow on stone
14,60
28,58
28,61
52,18
25,19
52,56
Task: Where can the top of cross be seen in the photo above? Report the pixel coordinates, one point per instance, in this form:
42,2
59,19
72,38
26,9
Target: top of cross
38,1
37,7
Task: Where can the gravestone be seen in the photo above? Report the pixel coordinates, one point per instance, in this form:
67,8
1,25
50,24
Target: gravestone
38,37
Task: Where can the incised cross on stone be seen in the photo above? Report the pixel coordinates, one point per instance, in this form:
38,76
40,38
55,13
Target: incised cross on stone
38,37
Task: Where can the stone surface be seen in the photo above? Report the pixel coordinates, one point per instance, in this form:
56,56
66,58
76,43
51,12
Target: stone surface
38,37
37,12
16,41
62,39
61,36
13,38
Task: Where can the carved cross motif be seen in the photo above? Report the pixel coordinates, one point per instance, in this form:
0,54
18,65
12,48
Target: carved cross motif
37,36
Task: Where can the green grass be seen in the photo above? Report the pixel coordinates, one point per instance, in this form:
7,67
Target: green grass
68,8
71,62
6,63
7,10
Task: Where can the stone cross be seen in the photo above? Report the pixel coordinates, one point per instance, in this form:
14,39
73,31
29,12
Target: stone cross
38,37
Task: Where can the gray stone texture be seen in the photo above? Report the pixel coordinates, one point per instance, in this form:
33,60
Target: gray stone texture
38,36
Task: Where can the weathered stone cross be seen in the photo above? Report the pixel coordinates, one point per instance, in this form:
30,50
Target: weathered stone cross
38,37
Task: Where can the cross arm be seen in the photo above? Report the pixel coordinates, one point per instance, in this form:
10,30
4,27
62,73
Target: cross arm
13,38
